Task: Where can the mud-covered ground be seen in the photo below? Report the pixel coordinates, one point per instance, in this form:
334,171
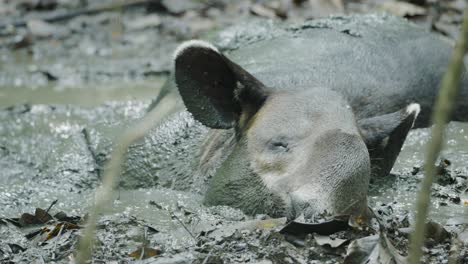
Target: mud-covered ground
74,74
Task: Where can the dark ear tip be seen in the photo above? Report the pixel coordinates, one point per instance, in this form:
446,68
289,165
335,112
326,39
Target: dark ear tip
193,46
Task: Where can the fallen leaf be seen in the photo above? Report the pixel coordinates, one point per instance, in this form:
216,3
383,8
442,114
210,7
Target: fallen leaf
270,223
363,250
326,228
393,253
373,249
144,253
63,217
326,240
250,225
28,219
60,226
152,229
40,217
34,233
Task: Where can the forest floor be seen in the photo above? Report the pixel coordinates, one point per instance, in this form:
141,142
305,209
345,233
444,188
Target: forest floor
74,73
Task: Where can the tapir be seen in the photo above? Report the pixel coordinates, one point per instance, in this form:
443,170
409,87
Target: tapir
296,121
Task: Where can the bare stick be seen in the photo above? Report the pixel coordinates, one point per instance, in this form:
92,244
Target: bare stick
113,169
183,225
50,206
208,256
57,238
443,108
86,11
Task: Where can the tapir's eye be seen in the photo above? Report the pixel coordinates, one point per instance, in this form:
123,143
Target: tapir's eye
278,145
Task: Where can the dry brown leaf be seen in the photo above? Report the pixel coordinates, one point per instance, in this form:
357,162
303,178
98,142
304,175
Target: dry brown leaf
40,217
271,223
144,253
66,226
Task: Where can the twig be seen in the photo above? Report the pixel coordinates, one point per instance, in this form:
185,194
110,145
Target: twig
50,206
84,11
443,108
183,225
87,140
57,238
113,170
145,242
142,253
208,256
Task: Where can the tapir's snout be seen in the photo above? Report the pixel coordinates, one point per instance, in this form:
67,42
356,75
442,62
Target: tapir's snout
334,179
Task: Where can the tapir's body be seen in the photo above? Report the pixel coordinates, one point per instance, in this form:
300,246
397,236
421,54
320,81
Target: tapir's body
326,100
386,65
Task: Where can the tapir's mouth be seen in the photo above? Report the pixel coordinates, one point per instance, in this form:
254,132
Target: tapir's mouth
324,226
309,215
335,205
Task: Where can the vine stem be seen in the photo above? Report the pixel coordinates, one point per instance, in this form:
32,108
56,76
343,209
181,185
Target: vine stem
440,117
103,195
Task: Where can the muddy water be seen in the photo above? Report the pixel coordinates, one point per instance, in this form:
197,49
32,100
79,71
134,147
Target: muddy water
138,90
45,154
402,186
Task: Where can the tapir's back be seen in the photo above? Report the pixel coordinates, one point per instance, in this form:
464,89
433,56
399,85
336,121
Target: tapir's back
380,63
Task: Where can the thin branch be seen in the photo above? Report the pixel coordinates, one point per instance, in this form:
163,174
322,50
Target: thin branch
85,11
113,169
443,109
57,238
183,225
51,205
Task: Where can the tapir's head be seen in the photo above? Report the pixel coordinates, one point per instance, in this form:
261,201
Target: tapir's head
296,152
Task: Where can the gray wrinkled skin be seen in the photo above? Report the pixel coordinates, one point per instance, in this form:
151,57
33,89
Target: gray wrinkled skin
324,110
314,164
167,156
380,63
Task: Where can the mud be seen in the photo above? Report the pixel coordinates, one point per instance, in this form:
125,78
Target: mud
67,93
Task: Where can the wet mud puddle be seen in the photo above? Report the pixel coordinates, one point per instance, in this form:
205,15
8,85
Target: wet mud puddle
450,195
46,139
46,155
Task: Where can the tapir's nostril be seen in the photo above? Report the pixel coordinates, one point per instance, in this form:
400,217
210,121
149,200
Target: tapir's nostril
300,208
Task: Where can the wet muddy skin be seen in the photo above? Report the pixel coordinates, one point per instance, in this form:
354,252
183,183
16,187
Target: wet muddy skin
55,136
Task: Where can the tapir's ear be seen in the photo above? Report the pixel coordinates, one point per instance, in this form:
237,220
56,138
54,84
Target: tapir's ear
214,89
384,136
